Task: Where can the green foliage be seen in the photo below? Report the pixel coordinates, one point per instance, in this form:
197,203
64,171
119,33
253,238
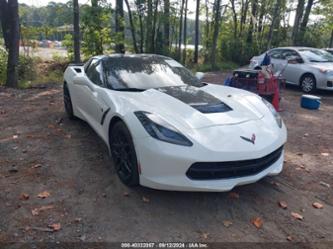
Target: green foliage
26,68
68,43
3,65
96,27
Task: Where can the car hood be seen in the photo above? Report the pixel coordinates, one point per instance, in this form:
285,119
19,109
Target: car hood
195,108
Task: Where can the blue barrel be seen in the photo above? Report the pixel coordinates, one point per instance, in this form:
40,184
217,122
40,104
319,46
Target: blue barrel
310,102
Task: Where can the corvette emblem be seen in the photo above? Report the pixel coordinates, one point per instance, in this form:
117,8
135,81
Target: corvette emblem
251,140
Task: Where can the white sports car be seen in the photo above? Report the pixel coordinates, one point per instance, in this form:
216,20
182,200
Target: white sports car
167,130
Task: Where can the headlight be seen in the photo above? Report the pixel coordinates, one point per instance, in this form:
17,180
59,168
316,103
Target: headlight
160,129
276,115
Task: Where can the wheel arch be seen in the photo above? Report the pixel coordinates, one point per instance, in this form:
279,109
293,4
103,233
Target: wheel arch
305,74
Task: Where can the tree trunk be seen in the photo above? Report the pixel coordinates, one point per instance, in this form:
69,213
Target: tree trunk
196,42
298,18
253,15
234,17
276,15
207,24
331,40
149,26
180,31
244,10
132,26
166,35
217,17
305,20
14,44
120,47
153,36
76,24
141,14
4,22
185,32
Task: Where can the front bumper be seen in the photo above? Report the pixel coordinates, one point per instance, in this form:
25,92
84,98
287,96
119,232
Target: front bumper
164,166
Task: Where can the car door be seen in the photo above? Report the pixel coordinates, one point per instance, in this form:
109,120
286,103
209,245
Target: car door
293,71
93,104
276,59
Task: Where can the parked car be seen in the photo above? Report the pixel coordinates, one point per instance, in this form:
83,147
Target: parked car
330,50
166,129
310,68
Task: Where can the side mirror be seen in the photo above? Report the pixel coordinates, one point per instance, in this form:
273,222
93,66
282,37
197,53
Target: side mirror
199,75
83,81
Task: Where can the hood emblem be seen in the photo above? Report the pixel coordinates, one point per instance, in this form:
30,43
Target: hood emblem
251,140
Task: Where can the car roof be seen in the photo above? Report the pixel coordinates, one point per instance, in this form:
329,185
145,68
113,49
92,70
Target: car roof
143,55
294,48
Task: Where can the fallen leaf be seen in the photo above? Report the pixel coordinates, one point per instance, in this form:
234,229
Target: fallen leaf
24,197
15,136
77,220
324,154
297,216
299,154
36,211
290,238
55,227
233,195
205,235
69,136
283,204
145,199
38,165
317,205
51,126
257,222
126,194
325,184
227,223
43,195
306,135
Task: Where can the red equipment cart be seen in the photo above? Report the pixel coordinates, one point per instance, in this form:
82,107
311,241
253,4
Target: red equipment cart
256,82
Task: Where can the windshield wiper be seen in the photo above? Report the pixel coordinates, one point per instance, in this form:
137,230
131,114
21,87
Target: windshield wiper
130,89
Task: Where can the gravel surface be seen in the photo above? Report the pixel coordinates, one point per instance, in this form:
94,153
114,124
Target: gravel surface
41,150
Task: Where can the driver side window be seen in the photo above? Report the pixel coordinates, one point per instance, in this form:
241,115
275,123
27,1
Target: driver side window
95,72
275,54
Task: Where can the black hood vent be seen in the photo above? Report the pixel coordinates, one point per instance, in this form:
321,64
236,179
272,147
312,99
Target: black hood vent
196,98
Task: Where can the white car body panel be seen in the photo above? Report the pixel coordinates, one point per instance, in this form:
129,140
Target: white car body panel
215,136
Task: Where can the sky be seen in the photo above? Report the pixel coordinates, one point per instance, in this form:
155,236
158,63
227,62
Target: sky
191,3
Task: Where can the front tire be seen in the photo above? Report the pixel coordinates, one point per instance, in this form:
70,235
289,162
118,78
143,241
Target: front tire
308,83
124,155
68,103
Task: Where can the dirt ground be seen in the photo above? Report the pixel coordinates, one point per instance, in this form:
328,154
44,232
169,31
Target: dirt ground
41,150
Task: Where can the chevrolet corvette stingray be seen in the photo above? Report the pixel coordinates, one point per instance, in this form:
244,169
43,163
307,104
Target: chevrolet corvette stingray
165,129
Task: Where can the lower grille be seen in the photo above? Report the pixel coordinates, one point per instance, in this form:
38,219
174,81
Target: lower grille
232,169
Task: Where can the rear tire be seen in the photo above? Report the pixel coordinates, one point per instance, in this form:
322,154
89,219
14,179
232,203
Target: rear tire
308,83
68,103
124,155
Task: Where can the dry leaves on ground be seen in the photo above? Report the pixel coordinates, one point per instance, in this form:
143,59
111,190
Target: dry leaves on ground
43,195
325,154
317,205
233,195
145,199
24,197
283,204
37,165
257,222
205,235
297,216
55,227
227,223
36,211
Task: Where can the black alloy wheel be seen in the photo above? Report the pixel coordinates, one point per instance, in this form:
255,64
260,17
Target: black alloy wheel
124,155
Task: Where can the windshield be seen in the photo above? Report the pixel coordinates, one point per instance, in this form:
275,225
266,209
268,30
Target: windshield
146,72
316,55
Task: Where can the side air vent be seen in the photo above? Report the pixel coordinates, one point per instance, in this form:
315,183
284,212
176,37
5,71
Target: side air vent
78,70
